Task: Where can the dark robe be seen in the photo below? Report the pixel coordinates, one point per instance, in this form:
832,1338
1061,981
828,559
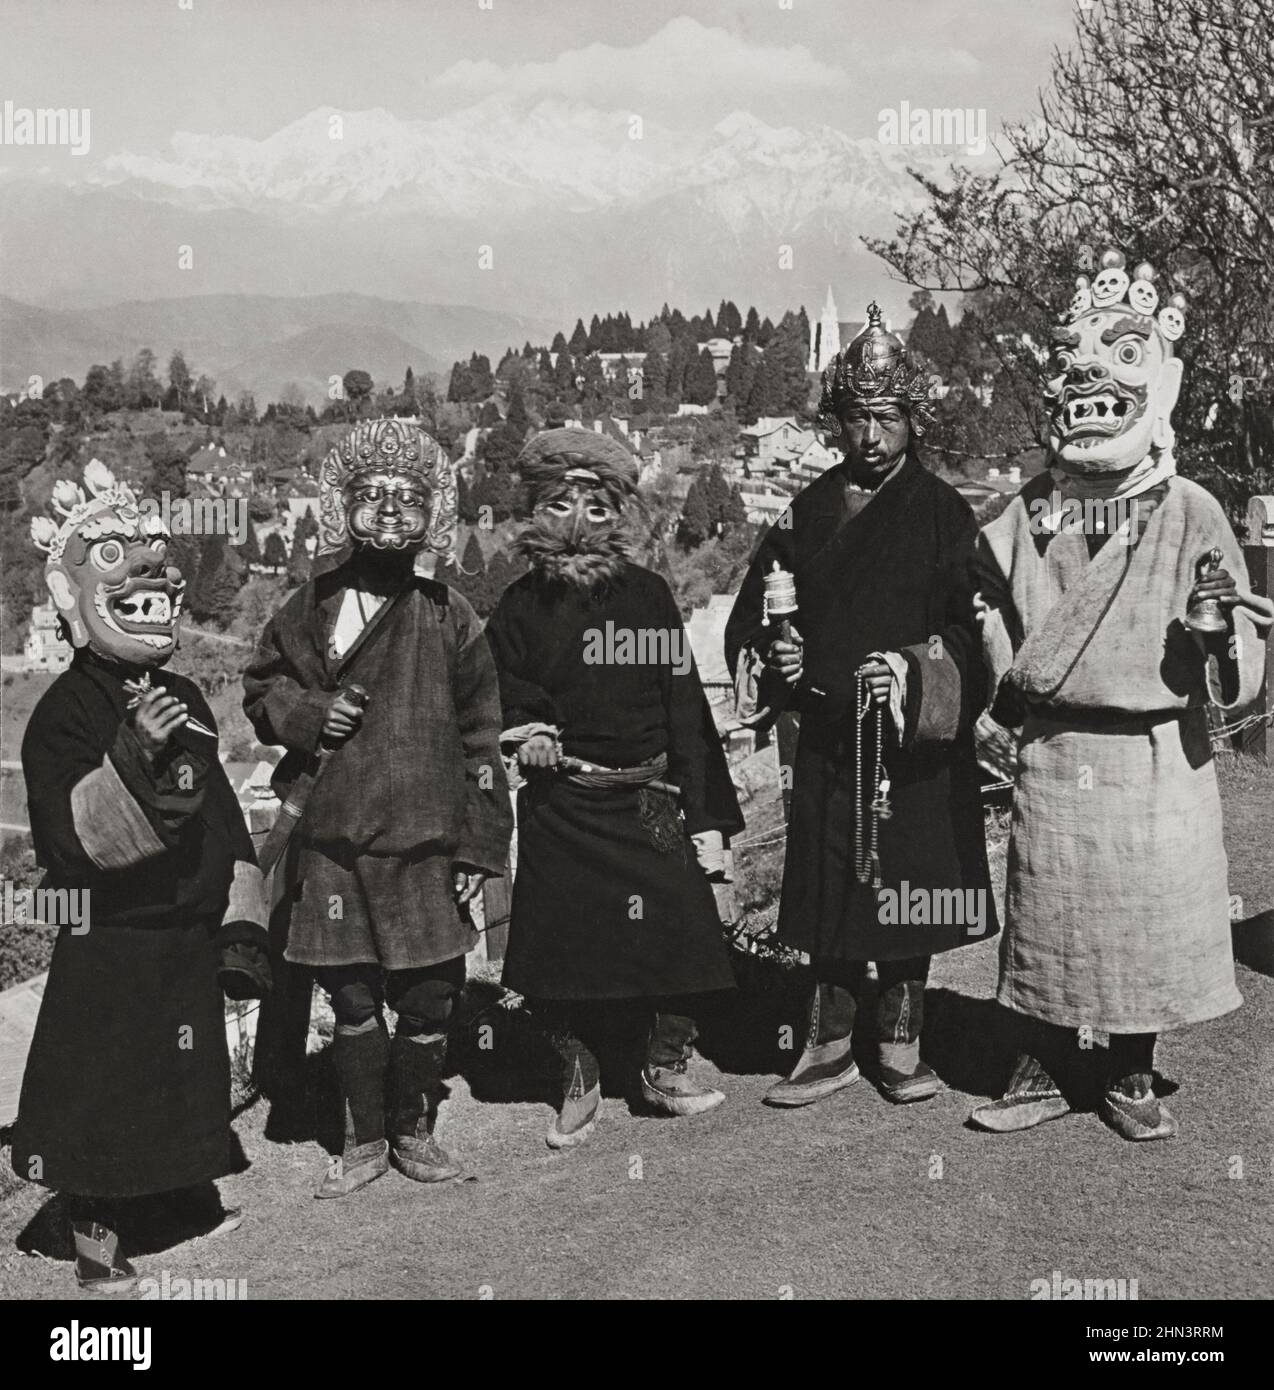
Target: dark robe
892,577
420,786
127,1085
609,901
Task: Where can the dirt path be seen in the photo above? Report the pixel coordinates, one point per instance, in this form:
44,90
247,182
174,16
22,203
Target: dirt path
850,1198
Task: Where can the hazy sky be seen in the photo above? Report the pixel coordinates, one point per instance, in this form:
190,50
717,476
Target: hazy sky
149,68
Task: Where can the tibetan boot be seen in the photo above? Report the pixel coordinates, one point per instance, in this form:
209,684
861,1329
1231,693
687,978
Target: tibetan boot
665,1082
1131,1108
1031,1098
581,1089
826,1063
416,1066
900,1014
360,1059
99,1267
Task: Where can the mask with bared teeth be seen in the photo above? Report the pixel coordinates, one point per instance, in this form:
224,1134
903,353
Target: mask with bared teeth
109,572
1113,375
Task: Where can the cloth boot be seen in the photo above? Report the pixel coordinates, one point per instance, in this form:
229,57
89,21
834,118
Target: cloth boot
1129,1105
99,1267
360,1058
1031,1098
900,1013
416,1068
826,1063
581,1083
665,1082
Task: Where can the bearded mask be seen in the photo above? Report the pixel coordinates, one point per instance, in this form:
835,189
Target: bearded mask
108,570
388,487
578,483
1114,379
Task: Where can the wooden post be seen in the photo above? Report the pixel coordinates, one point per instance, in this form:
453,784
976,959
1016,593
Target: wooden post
1259,554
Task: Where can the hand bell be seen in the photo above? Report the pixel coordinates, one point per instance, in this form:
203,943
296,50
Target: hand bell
1206,614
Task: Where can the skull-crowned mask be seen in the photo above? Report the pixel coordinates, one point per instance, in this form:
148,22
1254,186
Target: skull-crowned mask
1113,376
109,572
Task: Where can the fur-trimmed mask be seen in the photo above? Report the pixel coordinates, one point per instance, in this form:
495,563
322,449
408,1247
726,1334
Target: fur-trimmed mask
578,483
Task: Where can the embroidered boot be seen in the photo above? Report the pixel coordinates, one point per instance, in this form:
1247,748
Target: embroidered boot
360,1057
581,1089
900,1013
416,1065
1130,1106
1032,1098
665,1082
826,1063
99,1267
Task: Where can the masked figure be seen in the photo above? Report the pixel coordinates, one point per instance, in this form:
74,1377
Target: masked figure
125,1103
408,807
1117,906
881,554
627,799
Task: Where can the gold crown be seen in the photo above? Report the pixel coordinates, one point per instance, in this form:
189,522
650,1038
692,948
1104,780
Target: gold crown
1112,288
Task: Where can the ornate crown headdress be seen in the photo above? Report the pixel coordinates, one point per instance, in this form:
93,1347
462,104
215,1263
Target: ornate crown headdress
80,512
388,443
874,367
1112,287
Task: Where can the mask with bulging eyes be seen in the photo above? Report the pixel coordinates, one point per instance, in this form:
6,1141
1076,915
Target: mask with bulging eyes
578,516
1113,383
387,509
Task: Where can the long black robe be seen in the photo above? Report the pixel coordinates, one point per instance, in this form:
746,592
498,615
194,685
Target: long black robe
891,578
127,1084
600,911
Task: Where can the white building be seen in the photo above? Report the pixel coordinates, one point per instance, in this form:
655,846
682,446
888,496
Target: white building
45,649
764,508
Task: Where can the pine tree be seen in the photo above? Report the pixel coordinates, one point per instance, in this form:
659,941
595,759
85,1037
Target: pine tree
481,380
458,386
579,339
740,374
559,343
701,380
517,419
763,398
250,550
564,387
695,524
275,554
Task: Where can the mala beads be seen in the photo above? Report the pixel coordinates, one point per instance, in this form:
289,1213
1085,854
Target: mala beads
866,851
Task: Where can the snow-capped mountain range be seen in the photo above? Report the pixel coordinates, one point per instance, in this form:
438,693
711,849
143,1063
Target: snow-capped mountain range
494,158
543,208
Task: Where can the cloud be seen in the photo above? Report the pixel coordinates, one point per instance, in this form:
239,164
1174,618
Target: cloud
685,64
